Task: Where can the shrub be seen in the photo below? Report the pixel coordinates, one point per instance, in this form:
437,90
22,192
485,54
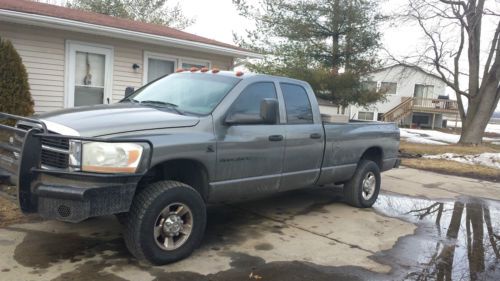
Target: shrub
15,97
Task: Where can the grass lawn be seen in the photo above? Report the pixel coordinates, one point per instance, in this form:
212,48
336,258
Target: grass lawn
450,167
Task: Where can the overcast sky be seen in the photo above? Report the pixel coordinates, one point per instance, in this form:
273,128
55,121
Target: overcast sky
218,19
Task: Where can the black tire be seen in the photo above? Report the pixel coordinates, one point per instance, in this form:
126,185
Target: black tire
353,189
147,205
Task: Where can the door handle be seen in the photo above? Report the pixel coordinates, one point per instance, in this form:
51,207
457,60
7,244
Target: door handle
276,138
315,136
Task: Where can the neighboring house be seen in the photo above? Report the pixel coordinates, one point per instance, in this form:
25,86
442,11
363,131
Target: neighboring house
414,98
76,58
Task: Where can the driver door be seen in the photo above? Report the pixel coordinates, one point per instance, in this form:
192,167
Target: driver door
250,156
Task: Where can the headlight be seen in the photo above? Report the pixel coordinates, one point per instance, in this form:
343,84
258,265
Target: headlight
104,157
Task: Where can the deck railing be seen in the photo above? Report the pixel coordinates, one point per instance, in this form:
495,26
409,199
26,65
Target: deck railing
409,105
435,105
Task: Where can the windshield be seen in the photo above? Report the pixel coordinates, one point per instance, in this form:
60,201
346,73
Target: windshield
186,92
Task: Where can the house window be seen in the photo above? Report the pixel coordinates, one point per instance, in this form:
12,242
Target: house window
89,74
421,120
189,64
389,87
157,65
424,91
365,115
369,85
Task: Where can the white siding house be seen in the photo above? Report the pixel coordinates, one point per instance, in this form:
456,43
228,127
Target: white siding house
414,98
78,58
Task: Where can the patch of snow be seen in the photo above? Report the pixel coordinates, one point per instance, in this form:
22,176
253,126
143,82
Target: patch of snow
434,135
430,136
490,128
424,141
485,159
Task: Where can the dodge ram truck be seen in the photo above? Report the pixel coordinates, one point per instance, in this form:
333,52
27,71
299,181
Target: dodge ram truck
192,138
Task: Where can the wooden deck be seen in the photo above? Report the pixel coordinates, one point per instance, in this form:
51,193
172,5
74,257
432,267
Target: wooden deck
410,105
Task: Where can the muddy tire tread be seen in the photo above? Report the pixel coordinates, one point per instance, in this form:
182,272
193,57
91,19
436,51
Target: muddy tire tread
138,210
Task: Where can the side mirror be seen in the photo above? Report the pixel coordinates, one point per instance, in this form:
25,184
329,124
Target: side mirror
129,91
268,114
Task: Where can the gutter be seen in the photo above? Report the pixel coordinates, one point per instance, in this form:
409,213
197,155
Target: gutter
95,29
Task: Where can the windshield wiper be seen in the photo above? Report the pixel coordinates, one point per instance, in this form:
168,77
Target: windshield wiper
130,99
165,104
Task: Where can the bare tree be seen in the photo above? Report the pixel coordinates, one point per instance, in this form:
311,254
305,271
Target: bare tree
454,29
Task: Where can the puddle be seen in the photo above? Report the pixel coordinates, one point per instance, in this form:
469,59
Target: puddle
455,240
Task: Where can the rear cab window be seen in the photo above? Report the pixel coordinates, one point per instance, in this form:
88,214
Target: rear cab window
297,104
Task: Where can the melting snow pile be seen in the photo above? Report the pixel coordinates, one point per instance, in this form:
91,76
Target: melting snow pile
428,136
486,159
431,137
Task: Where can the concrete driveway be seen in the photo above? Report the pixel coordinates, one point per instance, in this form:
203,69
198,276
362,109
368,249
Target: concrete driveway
424,226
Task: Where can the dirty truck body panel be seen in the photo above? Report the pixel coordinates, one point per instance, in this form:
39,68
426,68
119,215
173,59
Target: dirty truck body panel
45,156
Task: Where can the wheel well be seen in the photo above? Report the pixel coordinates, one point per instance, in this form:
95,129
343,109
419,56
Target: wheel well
190,172
373,154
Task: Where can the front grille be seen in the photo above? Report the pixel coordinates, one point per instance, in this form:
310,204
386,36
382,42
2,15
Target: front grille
54,150
56,143
54,159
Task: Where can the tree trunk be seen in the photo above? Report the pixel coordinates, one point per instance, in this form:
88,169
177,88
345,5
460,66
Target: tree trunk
475,239
445,266
479,113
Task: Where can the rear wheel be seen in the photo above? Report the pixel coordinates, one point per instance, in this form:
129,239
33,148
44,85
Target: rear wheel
362,189
166,222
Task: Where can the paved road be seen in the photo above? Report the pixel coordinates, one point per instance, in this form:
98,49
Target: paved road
423,225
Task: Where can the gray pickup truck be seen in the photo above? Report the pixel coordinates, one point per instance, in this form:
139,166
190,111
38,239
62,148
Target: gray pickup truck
158,157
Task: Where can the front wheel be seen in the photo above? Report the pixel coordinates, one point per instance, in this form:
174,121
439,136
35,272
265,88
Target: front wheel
362,189
166,222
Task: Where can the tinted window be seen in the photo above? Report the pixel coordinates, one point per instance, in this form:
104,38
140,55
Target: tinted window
298,107
249,100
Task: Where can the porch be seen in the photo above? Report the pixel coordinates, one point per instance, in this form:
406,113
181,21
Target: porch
411,105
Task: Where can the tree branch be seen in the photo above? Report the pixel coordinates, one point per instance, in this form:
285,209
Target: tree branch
495,44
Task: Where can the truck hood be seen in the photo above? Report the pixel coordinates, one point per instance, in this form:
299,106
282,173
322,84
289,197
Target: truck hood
100,120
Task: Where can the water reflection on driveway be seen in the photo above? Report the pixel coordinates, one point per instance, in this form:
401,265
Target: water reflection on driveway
455,240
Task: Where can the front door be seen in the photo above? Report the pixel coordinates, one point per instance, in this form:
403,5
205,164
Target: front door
89,75
249,157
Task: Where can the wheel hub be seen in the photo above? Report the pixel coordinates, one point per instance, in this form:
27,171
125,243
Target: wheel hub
368,186
173,225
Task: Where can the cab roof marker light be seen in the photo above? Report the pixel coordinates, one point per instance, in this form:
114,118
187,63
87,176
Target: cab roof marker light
194,69
204,69
239,73
179,70
215,70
